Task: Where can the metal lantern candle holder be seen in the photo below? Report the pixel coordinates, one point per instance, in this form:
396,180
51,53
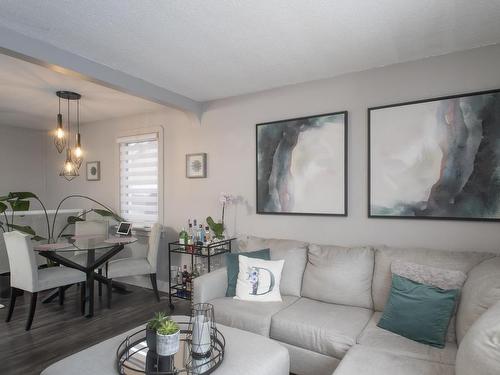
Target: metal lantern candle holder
202,330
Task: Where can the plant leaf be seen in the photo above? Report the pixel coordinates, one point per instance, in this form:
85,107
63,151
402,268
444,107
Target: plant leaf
38,238
19,205
22,195
3,207
108,213
4,198
23,228
74,219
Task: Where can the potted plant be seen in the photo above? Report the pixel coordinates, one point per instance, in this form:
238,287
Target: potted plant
153,324
168,338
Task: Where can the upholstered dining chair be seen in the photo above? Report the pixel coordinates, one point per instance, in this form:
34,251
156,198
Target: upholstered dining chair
25,275
137,266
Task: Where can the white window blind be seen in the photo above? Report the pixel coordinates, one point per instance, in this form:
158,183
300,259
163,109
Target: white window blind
139,178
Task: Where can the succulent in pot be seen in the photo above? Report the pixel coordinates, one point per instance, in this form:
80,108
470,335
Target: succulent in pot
168,338
151,328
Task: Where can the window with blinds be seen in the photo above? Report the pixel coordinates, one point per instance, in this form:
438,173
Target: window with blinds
139,179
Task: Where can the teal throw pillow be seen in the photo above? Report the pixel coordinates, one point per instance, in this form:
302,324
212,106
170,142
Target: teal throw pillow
419,312
233,267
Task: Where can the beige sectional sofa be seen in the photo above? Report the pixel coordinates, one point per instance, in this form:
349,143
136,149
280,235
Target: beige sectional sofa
333,298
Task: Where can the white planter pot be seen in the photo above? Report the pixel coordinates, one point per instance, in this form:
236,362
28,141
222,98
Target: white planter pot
167,344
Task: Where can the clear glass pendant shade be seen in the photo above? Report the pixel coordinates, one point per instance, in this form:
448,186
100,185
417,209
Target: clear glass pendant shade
78,153
60,135
69,170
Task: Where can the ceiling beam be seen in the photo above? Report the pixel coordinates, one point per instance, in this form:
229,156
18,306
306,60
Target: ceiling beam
29,49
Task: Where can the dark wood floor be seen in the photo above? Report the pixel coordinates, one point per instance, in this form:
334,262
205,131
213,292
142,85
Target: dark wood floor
59,331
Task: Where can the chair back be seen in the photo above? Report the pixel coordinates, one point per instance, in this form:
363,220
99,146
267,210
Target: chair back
22,261
153,246
92,227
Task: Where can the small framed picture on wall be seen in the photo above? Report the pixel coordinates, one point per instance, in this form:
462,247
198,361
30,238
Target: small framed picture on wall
93,171
196,165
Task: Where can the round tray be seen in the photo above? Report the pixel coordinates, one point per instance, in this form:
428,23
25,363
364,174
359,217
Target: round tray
133,356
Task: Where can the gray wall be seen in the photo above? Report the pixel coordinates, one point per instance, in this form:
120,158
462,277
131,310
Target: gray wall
227,134
22,167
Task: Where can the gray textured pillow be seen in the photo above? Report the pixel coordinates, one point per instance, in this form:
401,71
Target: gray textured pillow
434,276
341,275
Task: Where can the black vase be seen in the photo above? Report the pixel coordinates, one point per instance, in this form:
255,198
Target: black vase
151,339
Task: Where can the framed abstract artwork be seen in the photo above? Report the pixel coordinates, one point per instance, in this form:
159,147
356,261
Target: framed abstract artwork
436,159
93,170
302,166
196,165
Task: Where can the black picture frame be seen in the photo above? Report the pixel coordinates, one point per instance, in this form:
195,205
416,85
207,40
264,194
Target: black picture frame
259,209
369,169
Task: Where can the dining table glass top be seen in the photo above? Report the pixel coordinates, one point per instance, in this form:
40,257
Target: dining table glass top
84,243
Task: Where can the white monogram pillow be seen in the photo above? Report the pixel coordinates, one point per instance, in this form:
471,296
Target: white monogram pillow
259,280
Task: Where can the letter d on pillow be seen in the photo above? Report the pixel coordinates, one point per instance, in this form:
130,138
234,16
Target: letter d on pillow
259,280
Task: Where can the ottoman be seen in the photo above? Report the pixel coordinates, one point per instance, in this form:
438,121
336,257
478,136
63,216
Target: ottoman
245,354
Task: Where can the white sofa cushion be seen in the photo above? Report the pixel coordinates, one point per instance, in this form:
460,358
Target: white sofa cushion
379,338
340,275
293,252
384,256
318,326
480,292
249,316
364,360
479,351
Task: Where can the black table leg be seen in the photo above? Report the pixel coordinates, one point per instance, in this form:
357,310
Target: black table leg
89,285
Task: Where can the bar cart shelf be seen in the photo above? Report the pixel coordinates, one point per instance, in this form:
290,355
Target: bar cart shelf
208,251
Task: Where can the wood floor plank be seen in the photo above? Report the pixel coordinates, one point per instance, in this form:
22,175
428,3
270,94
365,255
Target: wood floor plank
59,331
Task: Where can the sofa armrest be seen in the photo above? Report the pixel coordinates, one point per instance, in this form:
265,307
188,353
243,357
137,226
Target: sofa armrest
210,286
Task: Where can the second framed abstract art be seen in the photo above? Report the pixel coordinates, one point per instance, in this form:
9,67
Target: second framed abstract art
436,159
302,165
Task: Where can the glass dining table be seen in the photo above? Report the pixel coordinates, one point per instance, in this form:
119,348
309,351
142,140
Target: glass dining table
96,250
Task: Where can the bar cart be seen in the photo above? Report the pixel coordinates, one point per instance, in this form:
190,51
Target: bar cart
208,251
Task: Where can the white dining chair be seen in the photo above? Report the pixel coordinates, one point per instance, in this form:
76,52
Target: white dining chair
137,266
25,275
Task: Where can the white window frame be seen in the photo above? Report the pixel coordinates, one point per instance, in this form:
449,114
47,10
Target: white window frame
135,133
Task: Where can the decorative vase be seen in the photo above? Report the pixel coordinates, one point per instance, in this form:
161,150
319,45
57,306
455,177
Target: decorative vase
151,339
202,325
167,344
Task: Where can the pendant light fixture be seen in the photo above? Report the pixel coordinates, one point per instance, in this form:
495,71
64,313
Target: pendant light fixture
78,154
62,138
59,135
73,157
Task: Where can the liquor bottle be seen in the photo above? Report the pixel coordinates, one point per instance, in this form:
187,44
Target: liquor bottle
179,275
190,229
183,236
208,235
190,246
195,232
185,275
201,234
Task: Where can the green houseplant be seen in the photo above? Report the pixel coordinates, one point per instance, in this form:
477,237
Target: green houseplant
167,338
21,201
152,326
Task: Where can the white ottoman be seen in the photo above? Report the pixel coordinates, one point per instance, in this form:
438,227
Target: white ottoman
245,354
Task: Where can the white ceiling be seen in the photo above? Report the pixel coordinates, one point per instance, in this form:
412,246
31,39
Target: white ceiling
28,99
207,49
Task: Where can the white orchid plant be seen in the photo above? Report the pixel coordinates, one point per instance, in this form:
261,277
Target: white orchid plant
225,199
